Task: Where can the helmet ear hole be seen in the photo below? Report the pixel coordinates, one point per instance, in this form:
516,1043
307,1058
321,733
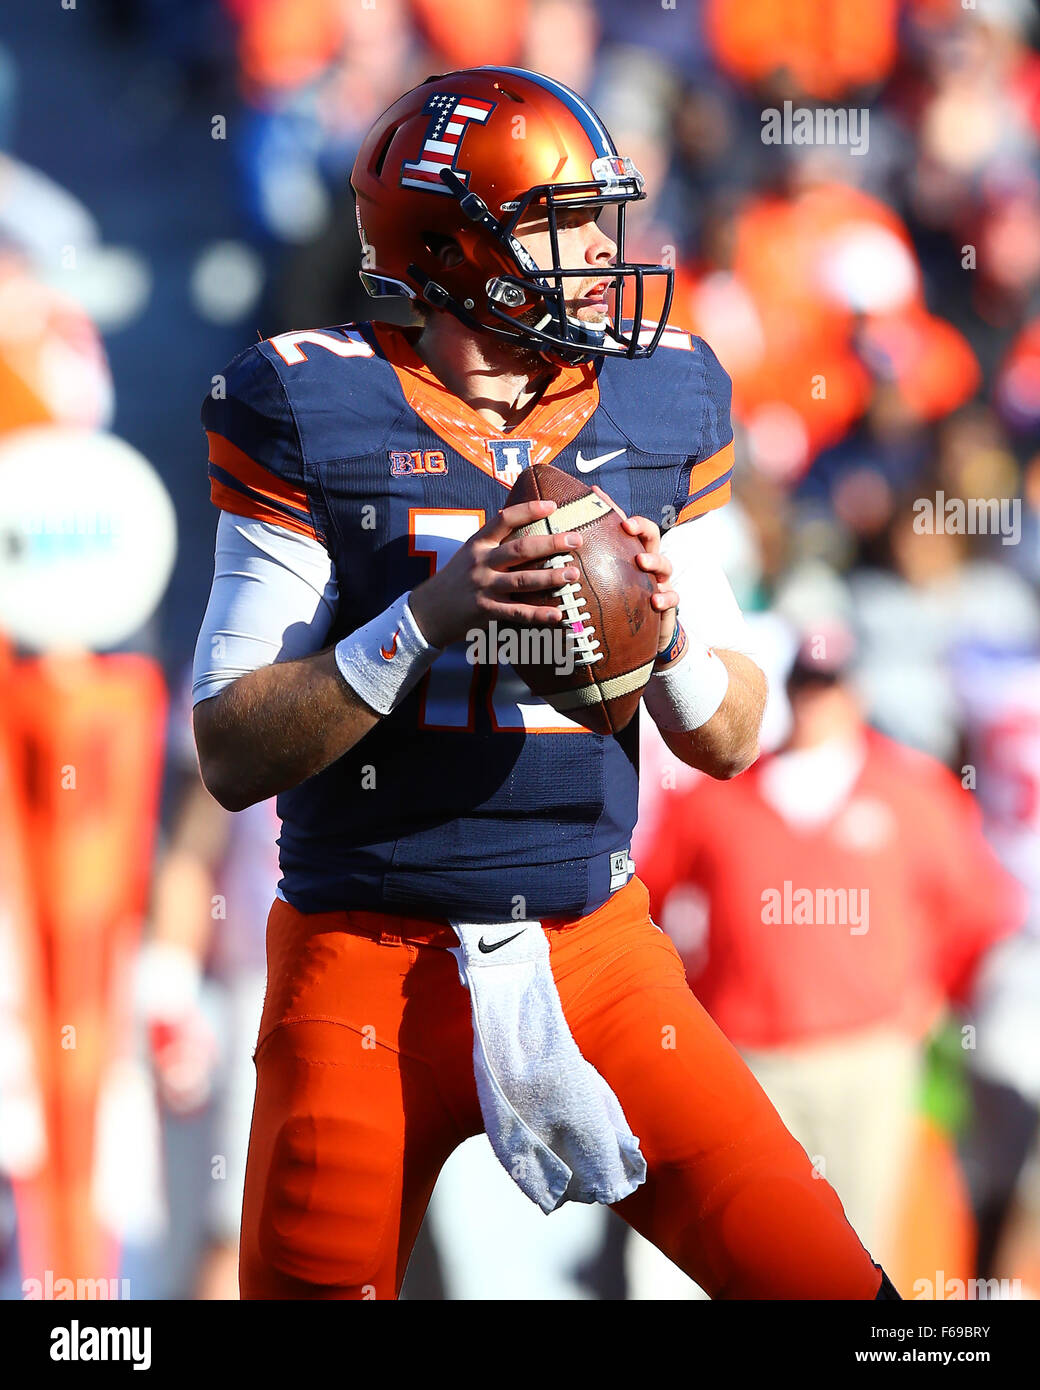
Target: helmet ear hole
444,249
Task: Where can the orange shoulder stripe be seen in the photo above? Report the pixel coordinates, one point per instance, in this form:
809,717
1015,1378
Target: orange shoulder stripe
254,475
707,491
228,500
710,470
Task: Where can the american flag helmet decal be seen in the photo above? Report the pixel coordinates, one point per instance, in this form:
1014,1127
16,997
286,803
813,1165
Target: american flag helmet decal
449,114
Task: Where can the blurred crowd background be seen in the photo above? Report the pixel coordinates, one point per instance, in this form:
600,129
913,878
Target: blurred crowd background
173,182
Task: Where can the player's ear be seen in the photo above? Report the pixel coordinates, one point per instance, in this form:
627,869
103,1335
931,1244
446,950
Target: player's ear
446,249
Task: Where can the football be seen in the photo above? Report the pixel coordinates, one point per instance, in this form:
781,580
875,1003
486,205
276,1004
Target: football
594,666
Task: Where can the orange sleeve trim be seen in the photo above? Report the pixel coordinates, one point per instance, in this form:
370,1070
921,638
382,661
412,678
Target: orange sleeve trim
708,503
710,470
228,500
252,474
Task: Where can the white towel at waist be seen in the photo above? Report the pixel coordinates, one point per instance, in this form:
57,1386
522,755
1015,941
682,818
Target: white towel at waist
555,1125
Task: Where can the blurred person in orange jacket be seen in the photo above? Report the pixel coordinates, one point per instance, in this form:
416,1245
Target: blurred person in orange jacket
815,48
843,892
811,295
201,978
53,367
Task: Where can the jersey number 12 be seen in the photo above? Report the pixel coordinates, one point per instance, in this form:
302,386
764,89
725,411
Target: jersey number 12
448,700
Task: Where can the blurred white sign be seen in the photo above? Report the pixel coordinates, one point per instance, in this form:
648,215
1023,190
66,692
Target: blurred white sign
87,538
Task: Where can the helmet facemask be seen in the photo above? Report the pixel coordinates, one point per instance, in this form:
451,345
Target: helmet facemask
553,332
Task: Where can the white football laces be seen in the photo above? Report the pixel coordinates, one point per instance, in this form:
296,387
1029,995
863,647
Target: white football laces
579,626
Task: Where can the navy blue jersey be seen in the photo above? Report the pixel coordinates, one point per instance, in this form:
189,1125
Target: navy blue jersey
473,799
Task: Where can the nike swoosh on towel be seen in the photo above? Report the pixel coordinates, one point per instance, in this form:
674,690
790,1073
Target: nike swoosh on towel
495,945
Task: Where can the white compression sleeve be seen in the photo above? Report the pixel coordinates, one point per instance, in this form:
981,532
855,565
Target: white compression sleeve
273,598
707,605
683,696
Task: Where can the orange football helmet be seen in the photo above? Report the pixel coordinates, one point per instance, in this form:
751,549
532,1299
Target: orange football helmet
464,156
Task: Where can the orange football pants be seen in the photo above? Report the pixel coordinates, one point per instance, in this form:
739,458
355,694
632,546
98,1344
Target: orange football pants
365,1086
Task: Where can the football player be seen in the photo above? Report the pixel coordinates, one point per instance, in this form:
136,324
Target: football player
361,472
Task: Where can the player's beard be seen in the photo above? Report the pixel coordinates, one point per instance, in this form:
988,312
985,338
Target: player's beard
526,357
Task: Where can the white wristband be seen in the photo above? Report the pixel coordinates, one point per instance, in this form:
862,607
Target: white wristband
684,696
383,660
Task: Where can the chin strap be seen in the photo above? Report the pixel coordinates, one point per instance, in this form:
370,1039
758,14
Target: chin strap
556,354
590,337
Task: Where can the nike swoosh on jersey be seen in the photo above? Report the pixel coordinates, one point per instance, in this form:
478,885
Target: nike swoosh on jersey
389,655
587,465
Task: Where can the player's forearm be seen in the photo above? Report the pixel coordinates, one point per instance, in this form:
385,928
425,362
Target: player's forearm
727,744
274,727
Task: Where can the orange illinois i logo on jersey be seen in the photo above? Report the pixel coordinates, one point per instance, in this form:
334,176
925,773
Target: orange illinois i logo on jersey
509,458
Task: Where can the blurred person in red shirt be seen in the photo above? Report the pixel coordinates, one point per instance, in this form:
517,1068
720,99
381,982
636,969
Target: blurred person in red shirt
844,892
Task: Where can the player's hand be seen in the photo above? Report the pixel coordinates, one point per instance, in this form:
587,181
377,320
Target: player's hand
480,581
666,600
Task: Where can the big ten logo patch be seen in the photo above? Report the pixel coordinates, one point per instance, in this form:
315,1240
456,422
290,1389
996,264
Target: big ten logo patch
509,458
404,463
